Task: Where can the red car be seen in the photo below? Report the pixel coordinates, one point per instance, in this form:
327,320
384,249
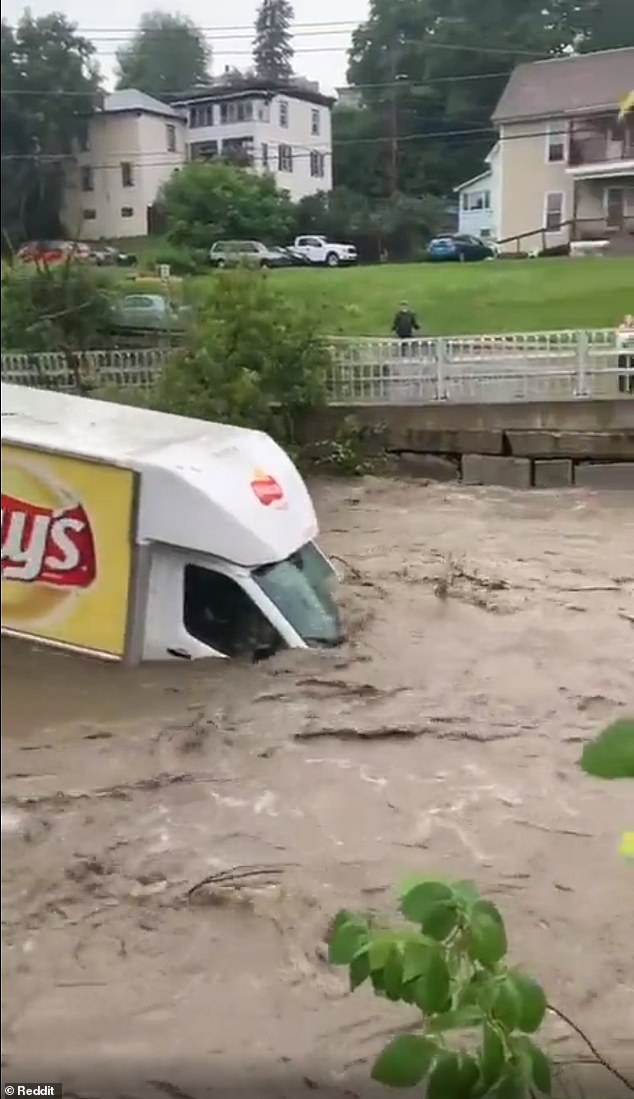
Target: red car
52,251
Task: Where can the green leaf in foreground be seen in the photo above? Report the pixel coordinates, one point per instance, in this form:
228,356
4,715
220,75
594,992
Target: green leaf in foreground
506,1005
492,1055
359,970
611,754
348,934
487,936
415,959
531,998
540,1070
432,990
418,899
512,1085
405,1061
440,921
452,1077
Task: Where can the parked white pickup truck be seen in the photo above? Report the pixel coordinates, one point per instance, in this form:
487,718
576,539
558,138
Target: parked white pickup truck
318,250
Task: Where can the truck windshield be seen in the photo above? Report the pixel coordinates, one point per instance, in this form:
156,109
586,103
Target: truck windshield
301,588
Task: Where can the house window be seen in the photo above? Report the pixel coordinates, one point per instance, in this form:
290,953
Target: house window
84,139
170,132
264,112
317,165
554,210
284,113
203,150
265,155
284,158
556,141
127,174
201,116
244,111
87,180
314,123
89,215
476,200
127,212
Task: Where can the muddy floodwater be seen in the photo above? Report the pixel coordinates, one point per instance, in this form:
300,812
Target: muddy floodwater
491,632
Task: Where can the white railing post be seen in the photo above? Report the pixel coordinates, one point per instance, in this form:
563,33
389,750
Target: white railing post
581,381
441,365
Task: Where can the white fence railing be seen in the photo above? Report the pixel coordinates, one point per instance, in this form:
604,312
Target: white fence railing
135,369
543,366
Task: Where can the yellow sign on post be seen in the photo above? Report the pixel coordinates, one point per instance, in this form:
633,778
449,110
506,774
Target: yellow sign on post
66,549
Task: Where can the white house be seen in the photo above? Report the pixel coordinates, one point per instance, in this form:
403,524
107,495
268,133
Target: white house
478,200
282,129
474,209
131,146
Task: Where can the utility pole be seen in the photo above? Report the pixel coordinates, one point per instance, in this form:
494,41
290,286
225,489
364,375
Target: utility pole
395,77
394,136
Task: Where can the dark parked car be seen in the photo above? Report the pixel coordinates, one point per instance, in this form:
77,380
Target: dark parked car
106,256
458,248
142,312
289,257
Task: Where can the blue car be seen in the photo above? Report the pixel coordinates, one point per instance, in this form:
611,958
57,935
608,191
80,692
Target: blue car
458,248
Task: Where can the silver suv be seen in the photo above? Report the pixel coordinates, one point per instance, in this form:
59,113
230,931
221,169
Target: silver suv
236,253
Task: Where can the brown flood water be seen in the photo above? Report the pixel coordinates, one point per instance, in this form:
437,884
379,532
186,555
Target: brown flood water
491,633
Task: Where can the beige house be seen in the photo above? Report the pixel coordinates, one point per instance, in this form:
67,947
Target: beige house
131,146
282,130
565,167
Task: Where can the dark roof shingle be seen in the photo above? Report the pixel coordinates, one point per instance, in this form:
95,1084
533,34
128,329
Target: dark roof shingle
565,85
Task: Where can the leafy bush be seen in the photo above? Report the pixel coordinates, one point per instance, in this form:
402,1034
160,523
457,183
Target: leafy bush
208,202
449,960
65,307
250,358
181,260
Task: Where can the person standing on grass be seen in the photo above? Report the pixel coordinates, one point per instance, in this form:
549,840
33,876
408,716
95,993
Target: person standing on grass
404,325
625,347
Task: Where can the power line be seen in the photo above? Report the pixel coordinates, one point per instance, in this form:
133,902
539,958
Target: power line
207,30
440,135
423,83
491,50
124,36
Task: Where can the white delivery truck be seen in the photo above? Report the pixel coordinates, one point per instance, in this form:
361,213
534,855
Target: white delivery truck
136,535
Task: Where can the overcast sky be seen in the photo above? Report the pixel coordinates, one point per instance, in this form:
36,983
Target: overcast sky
320,52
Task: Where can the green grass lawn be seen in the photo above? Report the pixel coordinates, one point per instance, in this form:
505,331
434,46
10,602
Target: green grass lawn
501,296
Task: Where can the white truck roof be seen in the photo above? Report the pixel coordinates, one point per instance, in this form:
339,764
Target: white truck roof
195,476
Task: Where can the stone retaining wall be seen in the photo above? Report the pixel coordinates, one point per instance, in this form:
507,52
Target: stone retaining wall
527,445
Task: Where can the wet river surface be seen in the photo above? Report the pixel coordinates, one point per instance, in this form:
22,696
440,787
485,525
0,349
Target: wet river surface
491,632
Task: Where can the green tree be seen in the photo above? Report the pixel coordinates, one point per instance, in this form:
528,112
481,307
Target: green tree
606,25
251,358
207,202
361,150
49,81
431,71
397,226
167,54
60,308
272,48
